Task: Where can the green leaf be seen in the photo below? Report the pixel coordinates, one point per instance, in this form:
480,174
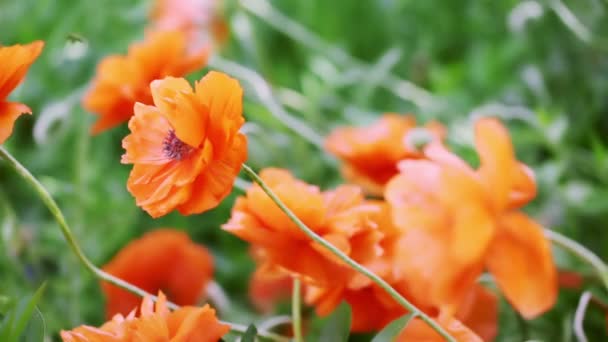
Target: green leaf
36,328
23,313
390,332
250,334
337,326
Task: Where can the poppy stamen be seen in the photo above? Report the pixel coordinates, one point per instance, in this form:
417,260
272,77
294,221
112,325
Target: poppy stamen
175,148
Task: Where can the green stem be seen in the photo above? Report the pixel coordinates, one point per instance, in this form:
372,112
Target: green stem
67,233
346,259
296,311
580,251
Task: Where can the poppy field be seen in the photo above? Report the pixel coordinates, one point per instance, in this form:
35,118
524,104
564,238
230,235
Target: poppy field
276,170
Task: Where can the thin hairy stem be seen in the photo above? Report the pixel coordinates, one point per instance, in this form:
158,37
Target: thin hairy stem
580,251
346,259
48,200
296,310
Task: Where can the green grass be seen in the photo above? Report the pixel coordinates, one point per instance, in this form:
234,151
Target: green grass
550,86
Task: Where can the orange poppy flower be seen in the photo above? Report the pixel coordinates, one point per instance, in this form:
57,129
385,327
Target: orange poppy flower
164,259
186,149
155,323
340,216
371,307
458,220
199,19
121,81
371,153
16,60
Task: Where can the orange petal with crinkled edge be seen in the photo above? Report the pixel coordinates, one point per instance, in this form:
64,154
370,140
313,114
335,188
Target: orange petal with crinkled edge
196,324
498,165
304,200
311,265
419,331
9,112
145,145
249,228
479,312
16,60
176,102
213,185
223,97
520,260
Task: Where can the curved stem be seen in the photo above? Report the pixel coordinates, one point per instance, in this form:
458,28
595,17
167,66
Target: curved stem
579,316
346,259
580,251
67,233
296,312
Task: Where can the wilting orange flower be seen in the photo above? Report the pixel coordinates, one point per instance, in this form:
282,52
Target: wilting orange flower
371,153
339,216
458,220
155,323
121,81
16,60
164,259
186,149
199,19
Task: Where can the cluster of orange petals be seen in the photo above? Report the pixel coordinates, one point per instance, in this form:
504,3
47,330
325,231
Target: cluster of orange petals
186,149
340,216
163,259
16,60
155,322
123,80
370,154
442,225
458,221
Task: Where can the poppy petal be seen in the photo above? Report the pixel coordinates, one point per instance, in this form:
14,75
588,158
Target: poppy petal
9,112
497,159
520,260
223,97
212,186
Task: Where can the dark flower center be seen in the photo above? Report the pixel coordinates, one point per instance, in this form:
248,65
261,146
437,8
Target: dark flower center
175,148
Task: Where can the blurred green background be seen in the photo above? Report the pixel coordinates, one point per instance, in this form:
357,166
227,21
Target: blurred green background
541,65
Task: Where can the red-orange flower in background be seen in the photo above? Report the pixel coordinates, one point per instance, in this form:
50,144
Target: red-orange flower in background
186,149
121,81
15,60
201,20
340,216
371,153
155,323
163,259
458,220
